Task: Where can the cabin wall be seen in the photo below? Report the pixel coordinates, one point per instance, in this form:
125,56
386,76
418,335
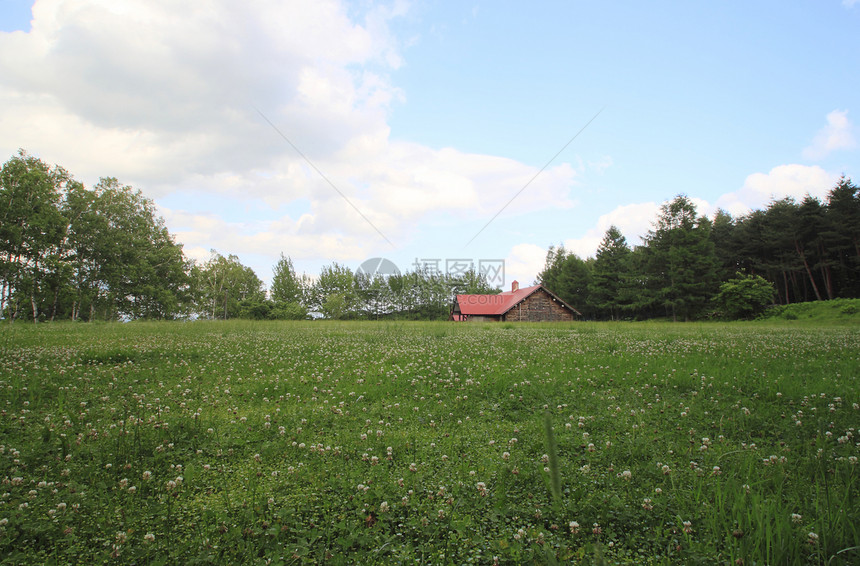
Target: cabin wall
539,307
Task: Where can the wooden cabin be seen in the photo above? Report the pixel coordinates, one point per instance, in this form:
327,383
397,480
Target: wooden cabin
529,304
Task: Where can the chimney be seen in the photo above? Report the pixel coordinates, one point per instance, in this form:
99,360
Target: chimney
515,286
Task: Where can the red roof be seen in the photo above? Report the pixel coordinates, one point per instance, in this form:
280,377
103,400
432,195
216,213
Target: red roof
493,304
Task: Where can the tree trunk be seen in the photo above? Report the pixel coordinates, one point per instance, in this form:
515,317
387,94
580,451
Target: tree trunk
3,297
828,280
56,300
808,270
13,286
826,273
796,286
33,293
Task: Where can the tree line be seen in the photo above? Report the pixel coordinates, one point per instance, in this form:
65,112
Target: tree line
68,252
691,267
229,290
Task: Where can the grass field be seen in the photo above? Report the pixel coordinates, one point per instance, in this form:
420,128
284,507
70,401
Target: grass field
429,443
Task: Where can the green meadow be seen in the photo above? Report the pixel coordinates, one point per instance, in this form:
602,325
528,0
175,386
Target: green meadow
430,443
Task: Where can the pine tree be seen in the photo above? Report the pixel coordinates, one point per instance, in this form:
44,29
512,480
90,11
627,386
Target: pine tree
682,262
610,274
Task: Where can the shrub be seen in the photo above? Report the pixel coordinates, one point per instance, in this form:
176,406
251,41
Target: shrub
744,296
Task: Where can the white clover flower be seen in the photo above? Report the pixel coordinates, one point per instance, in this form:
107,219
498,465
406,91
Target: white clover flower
688,527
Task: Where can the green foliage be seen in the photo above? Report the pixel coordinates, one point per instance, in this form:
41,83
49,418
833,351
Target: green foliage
288,311
418,295
334,293
334,306
70,252
810,251
609,286
228,289
287,287
256,307
681,266
807,251
568,276
744,296
31,229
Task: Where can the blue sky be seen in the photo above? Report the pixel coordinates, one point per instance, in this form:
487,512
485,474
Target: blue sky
431,116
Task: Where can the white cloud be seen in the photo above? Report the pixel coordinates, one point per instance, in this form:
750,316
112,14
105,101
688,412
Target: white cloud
633,220
793,180
838,134
158,91
849,3
523,264
200,233
759,189
601,165
525,261
165,96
